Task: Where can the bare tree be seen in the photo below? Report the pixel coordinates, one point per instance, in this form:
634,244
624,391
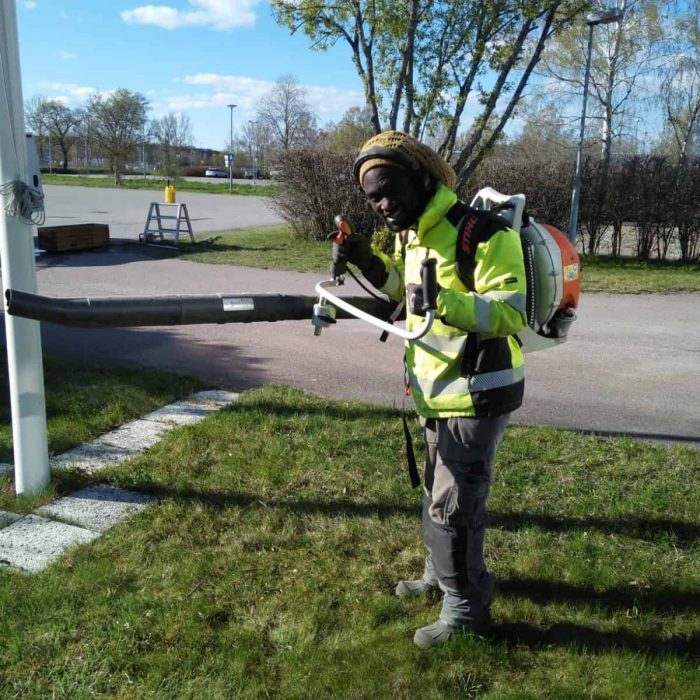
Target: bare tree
172,133
624,53
83,137
286,113
680,89
257,141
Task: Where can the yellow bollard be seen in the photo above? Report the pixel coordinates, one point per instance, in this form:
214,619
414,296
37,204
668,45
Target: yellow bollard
169,194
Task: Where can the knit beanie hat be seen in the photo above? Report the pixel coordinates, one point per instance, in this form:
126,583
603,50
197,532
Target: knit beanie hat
403,151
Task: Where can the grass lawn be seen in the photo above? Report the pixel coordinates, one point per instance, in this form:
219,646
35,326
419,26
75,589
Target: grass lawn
83,401
213,187
274,247
636,276
271,247
267,570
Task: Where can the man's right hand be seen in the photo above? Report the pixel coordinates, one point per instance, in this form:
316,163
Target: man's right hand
357,250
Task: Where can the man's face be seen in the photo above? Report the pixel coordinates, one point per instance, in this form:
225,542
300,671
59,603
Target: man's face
393,194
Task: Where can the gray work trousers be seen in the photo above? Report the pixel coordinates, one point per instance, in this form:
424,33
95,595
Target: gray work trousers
459,461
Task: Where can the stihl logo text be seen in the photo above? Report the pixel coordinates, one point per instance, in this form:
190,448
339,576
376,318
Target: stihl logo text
466,242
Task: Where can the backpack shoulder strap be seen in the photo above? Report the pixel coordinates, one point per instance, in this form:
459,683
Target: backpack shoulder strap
473,226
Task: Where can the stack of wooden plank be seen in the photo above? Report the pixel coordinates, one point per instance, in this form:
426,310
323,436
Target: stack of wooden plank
57,239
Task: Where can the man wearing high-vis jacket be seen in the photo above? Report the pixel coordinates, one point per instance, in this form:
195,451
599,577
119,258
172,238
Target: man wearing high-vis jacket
466,375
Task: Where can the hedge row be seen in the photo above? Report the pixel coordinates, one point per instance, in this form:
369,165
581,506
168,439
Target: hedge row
647,206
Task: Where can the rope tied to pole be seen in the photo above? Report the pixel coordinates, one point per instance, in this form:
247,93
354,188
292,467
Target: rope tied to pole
23,202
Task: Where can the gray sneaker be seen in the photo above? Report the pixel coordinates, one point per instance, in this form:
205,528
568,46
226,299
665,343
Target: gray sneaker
434,635
440,632
412,589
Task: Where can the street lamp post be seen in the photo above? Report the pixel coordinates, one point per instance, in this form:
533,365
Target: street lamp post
230,153
614,14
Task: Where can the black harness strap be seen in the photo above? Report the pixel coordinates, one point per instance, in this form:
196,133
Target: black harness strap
410,455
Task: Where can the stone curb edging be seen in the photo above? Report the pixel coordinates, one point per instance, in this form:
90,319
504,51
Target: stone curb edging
32,542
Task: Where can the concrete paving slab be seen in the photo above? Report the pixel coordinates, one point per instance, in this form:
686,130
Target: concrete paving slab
32,542
7,518
96,508
92,456
217,396
182,412
137,435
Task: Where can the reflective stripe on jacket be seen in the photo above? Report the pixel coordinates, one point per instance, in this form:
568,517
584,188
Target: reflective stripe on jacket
470,363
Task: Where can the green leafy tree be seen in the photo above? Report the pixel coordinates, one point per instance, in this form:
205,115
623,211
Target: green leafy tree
54,119
117,122
353,129
421,62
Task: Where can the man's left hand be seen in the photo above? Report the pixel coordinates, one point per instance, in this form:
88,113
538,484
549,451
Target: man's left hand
414,299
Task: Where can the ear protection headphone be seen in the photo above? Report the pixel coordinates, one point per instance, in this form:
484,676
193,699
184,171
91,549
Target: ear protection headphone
421,175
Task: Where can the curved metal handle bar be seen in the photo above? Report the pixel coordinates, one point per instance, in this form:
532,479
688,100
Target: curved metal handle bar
322,291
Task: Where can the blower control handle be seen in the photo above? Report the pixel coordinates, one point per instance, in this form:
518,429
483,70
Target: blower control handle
430,285
344,229
339,263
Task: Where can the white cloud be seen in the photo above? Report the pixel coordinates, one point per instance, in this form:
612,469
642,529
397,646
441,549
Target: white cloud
68,92
330,100
67,55
245,92
216,14
30,4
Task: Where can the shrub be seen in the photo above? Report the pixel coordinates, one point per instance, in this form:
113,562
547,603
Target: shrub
545,182
656,200
318,184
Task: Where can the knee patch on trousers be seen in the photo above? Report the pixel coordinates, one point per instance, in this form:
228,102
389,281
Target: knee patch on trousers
465,502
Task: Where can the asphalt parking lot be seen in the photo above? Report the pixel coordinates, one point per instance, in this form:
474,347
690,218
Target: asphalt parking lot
125,211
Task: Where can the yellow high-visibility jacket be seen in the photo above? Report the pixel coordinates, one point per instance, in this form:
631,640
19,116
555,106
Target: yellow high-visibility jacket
470,363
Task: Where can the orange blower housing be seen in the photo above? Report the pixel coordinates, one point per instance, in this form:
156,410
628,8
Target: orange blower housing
571,268
553,273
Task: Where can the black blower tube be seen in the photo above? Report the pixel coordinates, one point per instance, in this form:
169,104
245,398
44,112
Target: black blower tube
183,309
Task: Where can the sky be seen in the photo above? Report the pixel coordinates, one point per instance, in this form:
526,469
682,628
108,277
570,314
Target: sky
189,56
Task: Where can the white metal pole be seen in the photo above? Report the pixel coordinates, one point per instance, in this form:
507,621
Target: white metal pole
26,376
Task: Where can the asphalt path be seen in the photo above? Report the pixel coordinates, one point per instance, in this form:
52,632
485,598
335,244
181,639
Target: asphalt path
126,211
631,365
